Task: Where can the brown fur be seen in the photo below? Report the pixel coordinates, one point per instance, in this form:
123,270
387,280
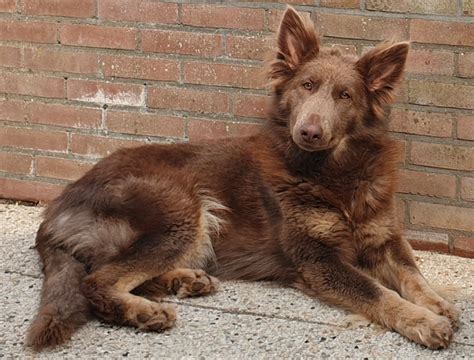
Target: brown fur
307,201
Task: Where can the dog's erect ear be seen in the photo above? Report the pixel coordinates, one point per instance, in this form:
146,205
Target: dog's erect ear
297,39
382,69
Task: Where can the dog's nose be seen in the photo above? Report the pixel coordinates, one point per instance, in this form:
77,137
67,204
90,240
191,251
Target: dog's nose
311,132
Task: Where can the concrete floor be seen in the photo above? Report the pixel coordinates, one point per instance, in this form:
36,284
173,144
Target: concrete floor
242,321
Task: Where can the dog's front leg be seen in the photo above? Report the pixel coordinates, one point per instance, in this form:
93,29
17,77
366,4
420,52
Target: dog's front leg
342,284
411,284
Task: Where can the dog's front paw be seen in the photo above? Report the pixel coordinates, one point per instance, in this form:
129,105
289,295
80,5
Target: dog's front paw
431,330
448,310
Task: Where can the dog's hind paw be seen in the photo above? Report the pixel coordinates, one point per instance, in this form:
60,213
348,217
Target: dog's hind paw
195,284
156,317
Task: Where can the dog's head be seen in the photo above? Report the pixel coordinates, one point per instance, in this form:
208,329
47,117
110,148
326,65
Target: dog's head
324,95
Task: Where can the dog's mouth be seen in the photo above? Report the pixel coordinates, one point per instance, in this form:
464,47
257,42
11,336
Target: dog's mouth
313,147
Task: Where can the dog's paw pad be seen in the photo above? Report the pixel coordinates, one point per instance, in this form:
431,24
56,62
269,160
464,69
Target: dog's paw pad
156,318
196,283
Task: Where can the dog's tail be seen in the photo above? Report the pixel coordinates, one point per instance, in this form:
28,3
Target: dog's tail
63,308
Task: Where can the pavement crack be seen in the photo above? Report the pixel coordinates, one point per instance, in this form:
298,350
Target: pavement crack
462,343
252,313
6,271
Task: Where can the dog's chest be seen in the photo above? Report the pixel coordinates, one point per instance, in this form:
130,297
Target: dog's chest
328,213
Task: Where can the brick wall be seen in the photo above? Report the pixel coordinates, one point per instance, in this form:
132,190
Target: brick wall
82,78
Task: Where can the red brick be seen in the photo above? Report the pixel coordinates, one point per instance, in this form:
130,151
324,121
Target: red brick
467,189
145,124
98,36
15,163
188,99
442,216
71,8
400,211
466,127
343,48
36,32
466,65
61,60
442,32
463,246
50,114
140,68
424,240
346,4
7,6
182,42
402,149
97,146
10,56
243,76
249,47
298,2
106,92
27,190
202,129
206,129
430,62
362,27
61,168
33,139
147,11
441,94
401,93
427,184
443,156
274,17
242,129
250,105
437,7
421,123
223,17
36,85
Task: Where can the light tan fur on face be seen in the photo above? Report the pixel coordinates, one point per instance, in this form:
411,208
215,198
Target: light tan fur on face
322,106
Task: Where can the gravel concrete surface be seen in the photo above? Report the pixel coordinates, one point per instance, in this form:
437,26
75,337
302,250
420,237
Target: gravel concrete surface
242,321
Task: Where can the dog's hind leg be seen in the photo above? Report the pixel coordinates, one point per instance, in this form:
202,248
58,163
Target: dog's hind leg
182,240
108,289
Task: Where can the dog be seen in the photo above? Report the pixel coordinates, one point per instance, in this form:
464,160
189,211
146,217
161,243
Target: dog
308,202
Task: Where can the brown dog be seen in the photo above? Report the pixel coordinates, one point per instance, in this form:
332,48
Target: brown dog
308,202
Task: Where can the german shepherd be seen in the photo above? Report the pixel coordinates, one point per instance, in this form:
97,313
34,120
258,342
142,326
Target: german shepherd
308,201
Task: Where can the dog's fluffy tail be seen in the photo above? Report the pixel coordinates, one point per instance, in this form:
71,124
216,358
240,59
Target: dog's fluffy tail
63,308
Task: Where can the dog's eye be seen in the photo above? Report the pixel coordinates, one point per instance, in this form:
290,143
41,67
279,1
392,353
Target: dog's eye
344,95
308,85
